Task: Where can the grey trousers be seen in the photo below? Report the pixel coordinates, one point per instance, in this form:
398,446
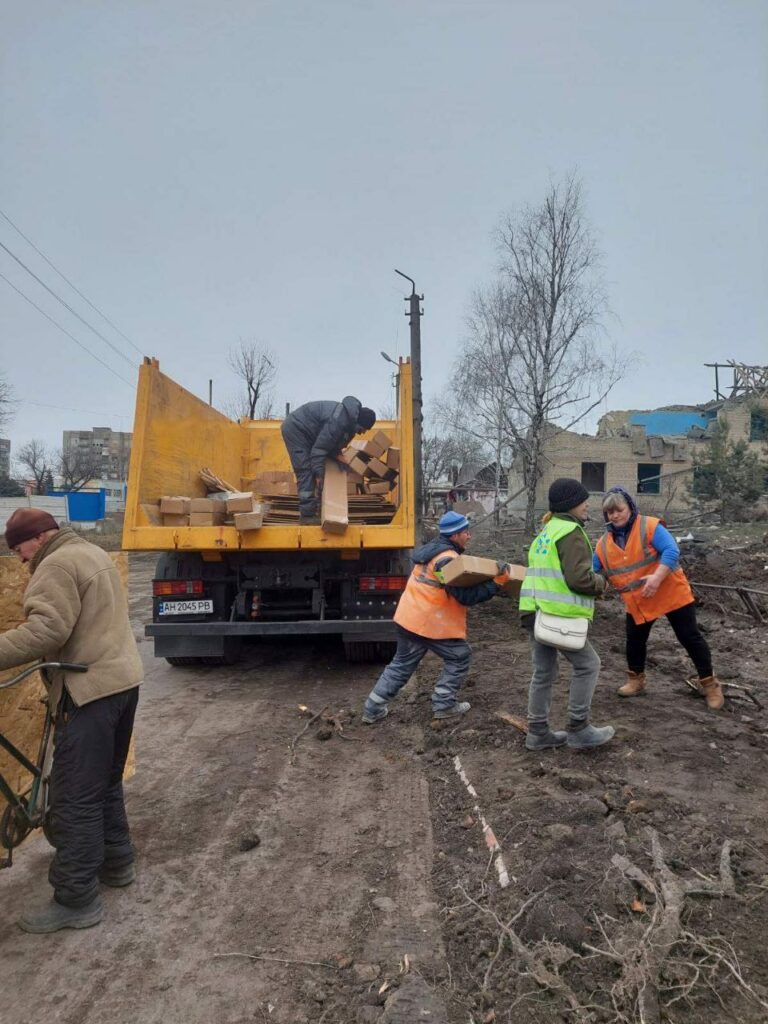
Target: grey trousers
300,453
411,648
586,667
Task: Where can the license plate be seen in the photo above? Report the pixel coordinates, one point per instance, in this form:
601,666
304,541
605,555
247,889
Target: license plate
185,607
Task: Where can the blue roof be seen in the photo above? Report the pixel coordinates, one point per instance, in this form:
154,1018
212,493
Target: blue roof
660,422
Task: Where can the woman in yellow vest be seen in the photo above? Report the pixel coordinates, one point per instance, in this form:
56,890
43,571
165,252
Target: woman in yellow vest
561,581
432,616
639,557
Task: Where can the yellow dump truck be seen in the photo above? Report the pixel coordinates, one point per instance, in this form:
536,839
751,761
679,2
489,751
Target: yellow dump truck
216,587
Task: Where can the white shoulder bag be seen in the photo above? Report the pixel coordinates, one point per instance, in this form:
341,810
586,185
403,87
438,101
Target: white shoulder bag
558,631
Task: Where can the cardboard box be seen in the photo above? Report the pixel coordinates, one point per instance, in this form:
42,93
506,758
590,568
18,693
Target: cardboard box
393,458
384,441
213,518
378,486
517,575
174,505
334,511
248,521
203,505
467,570
175,519
241,501
367,447
274,482
377,469
354,482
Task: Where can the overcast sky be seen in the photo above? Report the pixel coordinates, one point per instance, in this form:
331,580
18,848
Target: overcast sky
205,172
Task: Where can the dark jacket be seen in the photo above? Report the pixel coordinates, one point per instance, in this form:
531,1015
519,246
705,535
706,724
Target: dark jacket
464,595
324,428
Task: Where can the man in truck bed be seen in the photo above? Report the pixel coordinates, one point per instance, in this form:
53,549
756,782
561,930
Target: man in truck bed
315,432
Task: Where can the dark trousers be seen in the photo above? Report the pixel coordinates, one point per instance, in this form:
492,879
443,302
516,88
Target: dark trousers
683,622
299,452
90,827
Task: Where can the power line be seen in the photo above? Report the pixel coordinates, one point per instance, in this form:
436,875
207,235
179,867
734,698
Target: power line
66,305
69,408
71,285
65,331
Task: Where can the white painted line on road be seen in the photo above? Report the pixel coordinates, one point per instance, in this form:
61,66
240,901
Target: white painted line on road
490,838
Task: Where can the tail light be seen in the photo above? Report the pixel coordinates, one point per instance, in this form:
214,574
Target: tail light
382,584
170,588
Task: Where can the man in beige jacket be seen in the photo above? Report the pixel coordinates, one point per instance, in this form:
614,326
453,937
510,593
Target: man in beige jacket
76,611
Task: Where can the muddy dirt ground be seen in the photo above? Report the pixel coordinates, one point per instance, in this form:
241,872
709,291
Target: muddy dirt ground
352,868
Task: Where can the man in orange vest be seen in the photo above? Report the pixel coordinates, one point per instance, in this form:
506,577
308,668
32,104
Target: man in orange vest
431,616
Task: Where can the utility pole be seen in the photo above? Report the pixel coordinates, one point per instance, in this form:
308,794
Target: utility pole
414,315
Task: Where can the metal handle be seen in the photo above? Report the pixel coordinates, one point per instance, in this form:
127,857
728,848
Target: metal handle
67,666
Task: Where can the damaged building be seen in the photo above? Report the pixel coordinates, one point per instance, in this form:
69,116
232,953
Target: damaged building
651,452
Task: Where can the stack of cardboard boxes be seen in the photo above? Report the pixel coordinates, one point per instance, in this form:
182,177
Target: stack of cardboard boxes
240,509
374,465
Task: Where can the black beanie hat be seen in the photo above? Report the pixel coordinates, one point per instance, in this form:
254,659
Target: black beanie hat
566,493
366,418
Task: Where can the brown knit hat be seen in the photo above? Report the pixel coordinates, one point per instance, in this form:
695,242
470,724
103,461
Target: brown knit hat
26,523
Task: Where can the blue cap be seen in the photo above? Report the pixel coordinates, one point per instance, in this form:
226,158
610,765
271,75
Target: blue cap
452,522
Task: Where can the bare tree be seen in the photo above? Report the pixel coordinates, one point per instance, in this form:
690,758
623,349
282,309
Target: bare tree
7,401
77,466
36,461
479,406
256,366
535,332
441,455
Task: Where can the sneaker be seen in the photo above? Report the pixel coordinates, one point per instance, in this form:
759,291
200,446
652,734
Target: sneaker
371,719
590,736
545,740
53,916
461,707
117,877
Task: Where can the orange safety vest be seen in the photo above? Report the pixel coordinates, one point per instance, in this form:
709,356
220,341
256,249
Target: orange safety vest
623,569
426,608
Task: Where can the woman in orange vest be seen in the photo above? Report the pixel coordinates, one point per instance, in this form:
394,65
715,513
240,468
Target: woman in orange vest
639,557
431,616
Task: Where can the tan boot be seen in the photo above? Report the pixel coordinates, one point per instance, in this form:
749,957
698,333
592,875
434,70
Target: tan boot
634,686
712,692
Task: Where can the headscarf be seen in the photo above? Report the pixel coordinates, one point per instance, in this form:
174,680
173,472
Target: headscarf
620,533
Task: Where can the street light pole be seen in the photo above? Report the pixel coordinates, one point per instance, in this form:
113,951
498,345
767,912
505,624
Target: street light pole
414,315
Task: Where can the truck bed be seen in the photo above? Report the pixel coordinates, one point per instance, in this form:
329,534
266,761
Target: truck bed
176,434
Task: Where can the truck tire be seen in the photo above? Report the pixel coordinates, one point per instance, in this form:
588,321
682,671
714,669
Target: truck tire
182,662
